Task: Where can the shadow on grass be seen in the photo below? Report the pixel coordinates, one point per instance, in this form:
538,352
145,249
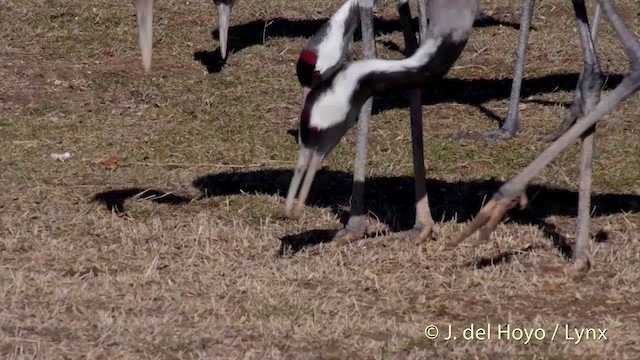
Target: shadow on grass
114,199
391,199
258,31
476,92
294,243
502,258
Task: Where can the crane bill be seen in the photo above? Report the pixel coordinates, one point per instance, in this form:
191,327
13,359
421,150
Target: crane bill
307,166
144,15
305,92
224,15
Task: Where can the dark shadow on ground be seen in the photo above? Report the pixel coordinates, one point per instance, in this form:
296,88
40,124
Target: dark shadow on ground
291,244
258,31
391,200
504,257
212,60
114,199
476,92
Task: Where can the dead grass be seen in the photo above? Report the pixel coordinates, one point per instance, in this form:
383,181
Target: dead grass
199,277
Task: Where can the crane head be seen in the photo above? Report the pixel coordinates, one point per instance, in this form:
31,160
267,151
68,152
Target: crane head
325,119
306,71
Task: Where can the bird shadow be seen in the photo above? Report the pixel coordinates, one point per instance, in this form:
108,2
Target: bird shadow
292,244
211,60
489,20
391,200
258,32
476,92
504,257
550,232
114,199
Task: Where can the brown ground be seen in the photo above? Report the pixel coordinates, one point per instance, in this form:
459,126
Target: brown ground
191,277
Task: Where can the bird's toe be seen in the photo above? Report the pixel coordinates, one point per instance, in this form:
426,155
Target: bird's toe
579,266
346,237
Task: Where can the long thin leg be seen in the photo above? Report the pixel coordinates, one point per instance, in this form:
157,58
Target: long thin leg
511,124
424,223
422,19
144,16
356,226
575,111
595,24
507,195
590,90
410,41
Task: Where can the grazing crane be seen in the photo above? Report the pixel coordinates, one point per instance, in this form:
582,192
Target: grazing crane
333,104
356,225
318,47
511,125
592,109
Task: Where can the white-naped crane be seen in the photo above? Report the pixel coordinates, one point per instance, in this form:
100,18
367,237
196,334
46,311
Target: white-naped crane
332,107
320,46
592,108
511,124
335,101
348,12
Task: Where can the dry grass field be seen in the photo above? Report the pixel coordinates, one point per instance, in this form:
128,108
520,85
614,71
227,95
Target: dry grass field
161,236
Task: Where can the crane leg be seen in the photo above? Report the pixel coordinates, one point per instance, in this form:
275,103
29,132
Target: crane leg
576,109
590,92
144,16
424,226
513,191
357,224
422,18
223,8
511,125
